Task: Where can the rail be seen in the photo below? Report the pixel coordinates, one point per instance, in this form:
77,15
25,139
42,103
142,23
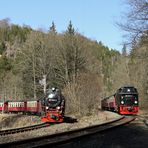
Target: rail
23,129
64,137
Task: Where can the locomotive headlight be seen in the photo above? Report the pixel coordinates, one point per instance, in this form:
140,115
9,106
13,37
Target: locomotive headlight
122,102
136,102
58,107
47,107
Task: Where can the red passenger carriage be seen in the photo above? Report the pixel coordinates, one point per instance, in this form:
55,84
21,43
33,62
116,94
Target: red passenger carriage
4,106
16,106
34,106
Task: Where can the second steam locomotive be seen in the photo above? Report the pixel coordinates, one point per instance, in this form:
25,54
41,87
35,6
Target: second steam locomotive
124,101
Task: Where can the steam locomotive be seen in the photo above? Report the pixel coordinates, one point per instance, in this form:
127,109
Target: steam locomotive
124,101
51,107
54,106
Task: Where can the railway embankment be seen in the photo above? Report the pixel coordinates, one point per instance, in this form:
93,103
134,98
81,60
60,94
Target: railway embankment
12,121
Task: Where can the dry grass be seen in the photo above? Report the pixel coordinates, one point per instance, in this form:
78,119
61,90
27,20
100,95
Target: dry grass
8,121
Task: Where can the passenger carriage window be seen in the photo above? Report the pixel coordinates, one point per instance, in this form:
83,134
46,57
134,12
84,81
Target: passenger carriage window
22,104
28,104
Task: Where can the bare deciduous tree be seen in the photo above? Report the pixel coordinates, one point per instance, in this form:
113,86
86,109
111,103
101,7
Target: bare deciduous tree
136,19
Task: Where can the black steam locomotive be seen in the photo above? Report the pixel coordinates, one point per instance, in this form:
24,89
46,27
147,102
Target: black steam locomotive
54,106
124,101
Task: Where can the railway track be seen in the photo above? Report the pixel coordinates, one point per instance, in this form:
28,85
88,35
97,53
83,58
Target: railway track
66,137
23,129
143,119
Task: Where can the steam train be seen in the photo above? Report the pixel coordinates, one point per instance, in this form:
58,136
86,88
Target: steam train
124,101
54,106
51,107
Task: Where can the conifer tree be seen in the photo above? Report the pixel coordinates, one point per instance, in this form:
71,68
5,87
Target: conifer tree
70,29
124,51
53,28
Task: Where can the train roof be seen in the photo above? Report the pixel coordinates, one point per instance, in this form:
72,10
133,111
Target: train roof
127,86
108,97
4,101
127,90
20,100
16,100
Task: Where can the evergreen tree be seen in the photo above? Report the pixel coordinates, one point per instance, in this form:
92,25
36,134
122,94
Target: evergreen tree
124,51
53,28
70,29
